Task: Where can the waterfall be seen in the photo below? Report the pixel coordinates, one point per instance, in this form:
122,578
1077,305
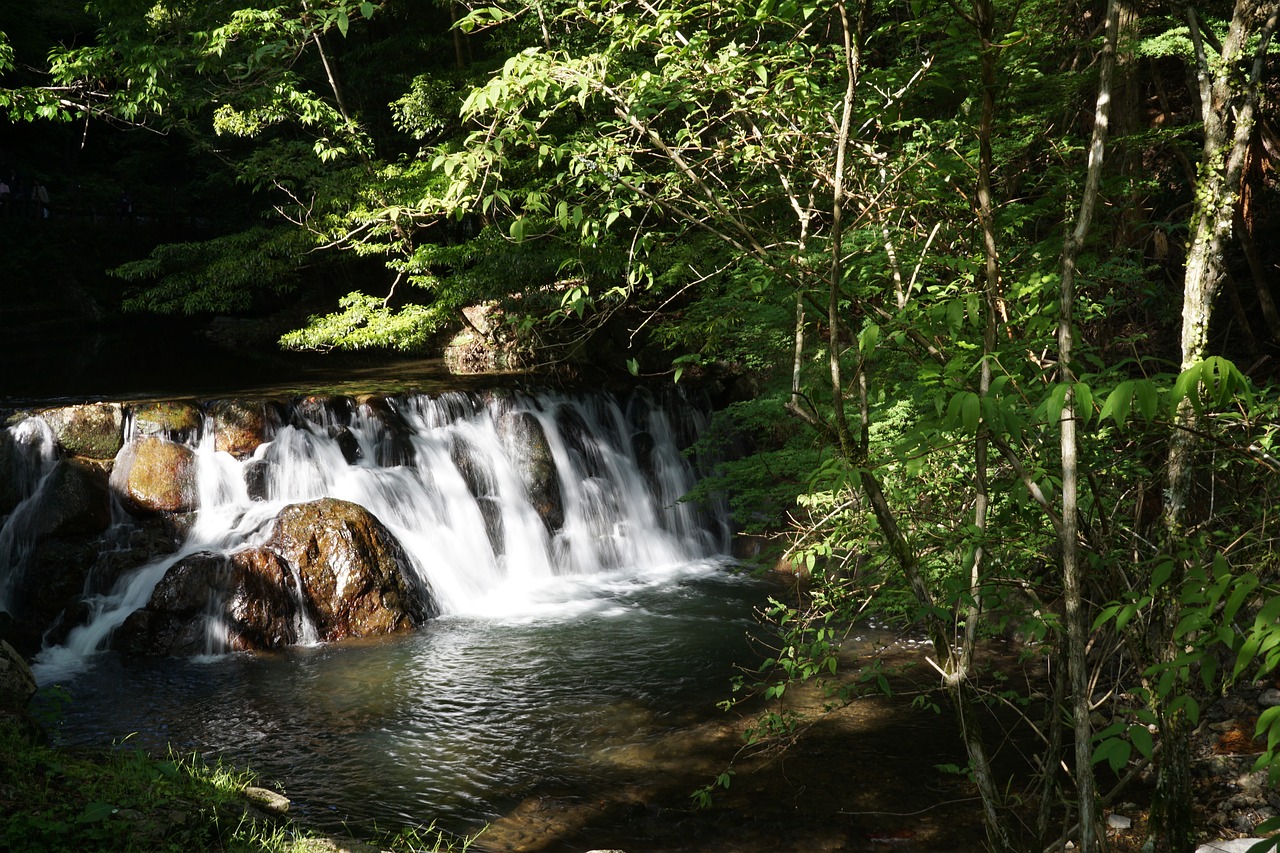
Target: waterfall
28,451
488,495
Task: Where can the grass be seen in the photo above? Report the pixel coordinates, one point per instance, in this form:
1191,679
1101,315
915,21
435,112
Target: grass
124,799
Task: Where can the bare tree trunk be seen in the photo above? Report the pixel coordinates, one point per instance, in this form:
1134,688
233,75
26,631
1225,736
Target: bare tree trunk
1072,581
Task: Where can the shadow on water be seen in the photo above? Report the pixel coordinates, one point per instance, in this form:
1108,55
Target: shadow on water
585,723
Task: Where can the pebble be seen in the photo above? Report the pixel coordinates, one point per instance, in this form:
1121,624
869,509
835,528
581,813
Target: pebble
1270,698
1118,821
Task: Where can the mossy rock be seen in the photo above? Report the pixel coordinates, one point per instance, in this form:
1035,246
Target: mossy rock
95,430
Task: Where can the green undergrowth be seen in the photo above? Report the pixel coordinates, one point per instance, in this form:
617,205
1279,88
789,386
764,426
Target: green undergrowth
124,799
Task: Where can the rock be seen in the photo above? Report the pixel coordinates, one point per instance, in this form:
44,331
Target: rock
76,500
355,576
260,607
347,443
175,420
1118,821
267,800
95,430
395,442
172,622
257,478
1270,698
154,474
17,684
526,442
247,595
240,427
1234,845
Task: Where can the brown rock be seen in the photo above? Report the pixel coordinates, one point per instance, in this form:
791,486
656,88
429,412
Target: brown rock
156,475
355,575
239,427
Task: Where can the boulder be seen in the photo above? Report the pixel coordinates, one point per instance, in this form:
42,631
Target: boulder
526,442
75,500
328,562
176,420
154,474
247,595
355,576
95,430
240,427
260,607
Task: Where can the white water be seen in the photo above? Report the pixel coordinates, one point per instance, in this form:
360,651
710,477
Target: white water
33,458
621,517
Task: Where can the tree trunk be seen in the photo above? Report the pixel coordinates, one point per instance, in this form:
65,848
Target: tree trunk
1228,101
1072,582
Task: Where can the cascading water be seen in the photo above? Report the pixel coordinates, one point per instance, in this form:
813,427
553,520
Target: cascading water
583,612
29,454
489,496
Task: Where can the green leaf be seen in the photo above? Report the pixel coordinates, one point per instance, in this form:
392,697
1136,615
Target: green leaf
1142,740
343,21
1118,403
366,9
96,812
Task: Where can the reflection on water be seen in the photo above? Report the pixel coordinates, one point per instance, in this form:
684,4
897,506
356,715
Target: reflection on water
458,722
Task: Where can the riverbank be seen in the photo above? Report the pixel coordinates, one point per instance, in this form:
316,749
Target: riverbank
123,799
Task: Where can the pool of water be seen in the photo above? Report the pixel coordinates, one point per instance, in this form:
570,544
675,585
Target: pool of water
552,692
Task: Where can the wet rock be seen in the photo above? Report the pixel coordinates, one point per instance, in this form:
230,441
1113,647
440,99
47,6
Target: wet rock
239,427
260,608
395,445
15,462
526,442
347,443
323,411
257,475
244,599
355,576
75,500
17,684
95,430
176,420
156,475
